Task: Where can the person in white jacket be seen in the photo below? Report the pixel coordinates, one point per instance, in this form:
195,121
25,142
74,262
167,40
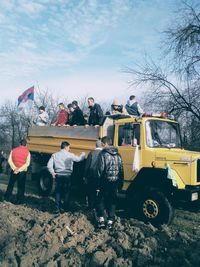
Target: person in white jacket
60,165
42,118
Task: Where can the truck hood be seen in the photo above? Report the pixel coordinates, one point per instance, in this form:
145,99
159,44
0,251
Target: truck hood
172,154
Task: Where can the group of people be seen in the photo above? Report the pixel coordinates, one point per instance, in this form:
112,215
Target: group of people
103,176
73,115
103,170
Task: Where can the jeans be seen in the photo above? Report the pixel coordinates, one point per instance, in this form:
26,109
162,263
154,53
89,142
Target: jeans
62,190
21,180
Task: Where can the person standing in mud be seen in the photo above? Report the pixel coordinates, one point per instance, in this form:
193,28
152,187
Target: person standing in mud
19,160
90,174
60,166
110,174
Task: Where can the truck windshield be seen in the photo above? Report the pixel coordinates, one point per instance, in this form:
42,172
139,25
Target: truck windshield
162,134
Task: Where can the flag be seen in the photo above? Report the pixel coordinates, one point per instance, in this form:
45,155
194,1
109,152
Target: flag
25,100
136,163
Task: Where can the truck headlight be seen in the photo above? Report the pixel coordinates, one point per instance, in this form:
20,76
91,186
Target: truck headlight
194,196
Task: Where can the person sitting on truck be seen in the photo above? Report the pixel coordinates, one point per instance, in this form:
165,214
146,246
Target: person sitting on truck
133,108
63,116
60,165
96,113
70,113
110,176
42,118
77,117
90,174
19,160
117,108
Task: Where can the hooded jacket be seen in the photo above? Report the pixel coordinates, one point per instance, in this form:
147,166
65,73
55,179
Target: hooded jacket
110,167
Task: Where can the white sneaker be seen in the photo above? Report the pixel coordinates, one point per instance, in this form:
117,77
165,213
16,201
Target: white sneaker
101,222
110,224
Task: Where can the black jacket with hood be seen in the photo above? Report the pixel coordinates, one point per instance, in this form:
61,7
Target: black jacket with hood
110,167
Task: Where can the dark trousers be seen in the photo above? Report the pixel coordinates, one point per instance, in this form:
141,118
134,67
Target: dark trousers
21,180
106,200
91,188
62,190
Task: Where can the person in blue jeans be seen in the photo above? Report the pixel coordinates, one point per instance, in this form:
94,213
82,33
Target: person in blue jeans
60,165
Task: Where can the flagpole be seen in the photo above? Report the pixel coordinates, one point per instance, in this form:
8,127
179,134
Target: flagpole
32,108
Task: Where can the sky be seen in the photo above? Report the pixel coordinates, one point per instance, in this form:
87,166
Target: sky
78,47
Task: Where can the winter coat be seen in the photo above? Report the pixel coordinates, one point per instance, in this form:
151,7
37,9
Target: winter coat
91,164
77,117
62,118
42,119
133,109
110,167
96,115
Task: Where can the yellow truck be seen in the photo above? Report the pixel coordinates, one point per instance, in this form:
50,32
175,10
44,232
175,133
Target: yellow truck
157,169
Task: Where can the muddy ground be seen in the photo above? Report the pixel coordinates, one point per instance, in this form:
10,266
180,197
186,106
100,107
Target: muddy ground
31,235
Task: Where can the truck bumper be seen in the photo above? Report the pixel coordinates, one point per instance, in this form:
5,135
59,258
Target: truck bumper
189,194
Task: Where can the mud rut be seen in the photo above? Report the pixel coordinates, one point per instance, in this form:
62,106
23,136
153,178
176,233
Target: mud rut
31,235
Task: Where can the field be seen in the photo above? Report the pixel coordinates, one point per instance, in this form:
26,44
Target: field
31,235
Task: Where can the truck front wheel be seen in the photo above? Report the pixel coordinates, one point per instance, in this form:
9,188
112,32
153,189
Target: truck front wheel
155,208
45,182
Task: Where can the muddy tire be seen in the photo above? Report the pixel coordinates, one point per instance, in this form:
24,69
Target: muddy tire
154,207
45,183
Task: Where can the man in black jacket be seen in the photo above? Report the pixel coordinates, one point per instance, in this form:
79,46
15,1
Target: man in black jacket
90,174
96,113
111,175
75,114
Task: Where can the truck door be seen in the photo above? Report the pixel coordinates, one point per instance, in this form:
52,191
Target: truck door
128,139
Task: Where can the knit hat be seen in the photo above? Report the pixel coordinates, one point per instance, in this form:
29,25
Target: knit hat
116,102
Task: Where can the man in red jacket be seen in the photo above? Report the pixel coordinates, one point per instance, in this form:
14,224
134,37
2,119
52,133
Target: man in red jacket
19,160
62,118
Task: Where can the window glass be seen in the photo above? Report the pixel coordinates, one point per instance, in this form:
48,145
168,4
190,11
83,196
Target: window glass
129,135
162,134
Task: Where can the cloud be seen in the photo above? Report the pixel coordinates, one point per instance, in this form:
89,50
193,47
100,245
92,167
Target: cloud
61,33
30,7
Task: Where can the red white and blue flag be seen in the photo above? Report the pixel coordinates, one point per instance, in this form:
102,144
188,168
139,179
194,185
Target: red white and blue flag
25,100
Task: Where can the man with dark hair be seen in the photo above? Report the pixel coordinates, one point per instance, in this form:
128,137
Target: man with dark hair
111,175
60,165
132,107
62,118
90,174
19,160
96,113
42,118
77,117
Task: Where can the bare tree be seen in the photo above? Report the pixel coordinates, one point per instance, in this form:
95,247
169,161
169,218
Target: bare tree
183,39
176,88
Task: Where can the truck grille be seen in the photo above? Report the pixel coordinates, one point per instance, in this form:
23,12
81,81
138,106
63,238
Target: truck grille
198,170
